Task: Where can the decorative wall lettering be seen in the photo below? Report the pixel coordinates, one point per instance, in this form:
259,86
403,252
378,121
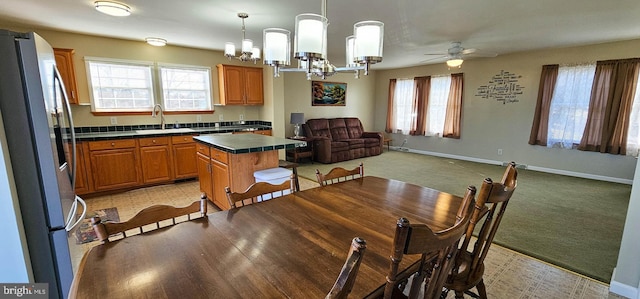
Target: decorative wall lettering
502,87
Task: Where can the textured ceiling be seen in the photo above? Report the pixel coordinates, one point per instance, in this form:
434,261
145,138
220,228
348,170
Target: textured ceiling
412,27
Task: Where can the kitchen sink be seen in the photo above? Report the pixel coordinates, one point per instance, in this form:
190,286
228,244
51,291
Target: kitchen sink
165,131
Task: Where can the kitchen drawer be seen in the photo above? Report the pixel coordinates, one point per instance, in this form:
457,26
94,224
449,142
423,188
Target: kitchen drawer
181,139
112,144
151,141
203,149
219,155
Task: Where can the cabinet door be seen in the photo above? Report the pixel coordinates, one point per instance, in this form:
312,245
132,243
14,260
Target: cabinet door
204,175
263,132
231,85
64,62
220,174
82,183
253,86
155,163
184,160
115,168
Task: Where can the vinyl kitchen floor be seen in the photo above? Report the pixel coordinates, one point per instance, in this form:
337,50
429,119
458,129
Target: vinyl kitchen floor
508,274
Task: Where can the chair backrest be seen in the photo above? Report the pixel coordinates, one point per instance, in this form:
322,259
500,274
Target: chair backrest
259,191
491,204
153,214
344,284
339,174
437,250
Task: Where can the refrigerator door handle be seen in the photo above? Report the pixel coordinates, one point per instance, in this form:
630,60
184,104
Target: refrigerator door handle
74,208
67,108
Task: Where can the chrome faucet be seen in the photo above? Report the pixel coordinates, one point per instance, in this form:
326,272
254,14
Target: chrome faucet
153,114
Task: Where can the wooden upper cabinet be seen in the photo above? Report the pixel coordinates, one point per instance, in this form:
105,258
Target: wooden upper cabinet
240,85
64,62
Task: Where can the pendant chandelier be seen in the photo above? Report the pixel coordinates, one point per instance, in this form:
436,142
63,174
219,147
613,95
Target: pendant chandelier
248,52
363,48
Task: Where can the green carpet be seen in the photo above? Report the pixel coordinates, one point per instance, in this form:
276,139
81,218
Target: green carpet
570,222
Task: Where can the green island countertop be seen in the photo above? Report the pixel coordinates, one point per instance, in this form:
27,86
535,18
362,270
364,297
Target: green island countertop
247,143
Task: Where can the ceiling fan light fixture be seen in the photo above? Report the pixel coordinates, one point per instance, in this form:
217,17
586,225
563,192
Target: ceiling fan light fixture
113,8
455,62
156,41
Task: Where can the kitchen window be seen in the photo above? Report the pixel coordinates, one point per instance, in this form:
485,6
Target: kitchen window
120,86
185,88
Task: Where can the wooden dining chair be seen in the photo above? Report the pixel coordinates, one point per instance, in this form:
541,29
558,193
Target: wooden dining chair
154,214
339,174
259,191
344,284
491,204
437,250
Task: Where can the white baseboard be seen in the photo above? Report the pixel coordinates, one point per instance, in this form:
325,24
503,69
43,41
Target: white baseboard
623,289
530,167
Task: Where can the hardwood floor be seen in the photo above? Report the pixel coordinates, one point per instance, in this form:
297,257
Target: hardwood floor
508,274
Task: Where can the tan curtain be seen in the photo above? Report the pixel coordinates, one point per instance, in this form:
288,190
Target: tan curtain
419,108
453,115
540,125
610,105
392,89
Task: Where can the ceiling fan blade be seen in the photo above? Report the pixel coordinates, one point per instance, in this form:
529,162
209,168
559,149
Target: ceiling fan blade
468,51
441,54
434,58
482,54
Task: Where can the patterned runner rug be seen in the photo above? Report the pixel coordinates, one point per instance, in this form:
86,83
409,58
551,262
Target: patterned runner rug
85,233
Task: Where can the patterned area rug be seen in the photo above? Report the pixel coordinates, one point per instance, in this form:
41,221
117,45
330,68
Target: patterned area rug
85,233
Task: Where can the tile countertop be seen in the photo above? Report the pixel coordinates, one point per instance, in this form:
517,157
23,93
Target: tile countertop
247,143
92,136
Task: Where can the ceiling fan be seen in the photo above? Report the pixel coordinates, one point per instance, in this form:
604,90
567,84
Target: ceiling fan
456,53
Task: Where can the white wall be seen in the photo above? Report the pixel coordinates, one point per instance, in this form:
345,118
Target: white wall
626,275
14,261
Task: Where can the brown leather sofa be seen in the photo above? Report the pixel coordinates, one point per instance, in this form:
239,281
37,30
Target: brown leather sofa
341,139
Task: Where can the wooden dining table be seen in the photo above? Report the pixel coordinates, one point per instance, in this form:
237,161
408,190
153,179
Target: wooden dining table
287,247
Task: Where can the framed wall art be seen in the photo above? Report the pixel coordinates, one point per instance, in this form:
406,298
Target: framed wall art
328,93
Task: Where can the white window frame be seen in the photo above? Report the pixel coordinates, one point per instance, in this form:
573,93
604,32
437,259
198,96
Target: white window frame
149,66
164,89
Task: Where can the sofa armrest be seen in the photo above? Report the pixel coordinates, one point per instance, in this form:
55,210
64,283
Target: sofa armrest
322,148
378,135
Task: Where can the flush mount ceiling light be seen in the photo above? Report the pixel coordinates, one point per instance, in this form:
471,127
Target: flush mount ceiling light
113,8
248,52
310,46
156,41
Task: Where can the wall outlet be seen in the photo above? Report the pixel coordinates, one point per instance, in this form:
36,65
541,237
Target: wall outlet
220,118
499,152
114,120
198,118
241,116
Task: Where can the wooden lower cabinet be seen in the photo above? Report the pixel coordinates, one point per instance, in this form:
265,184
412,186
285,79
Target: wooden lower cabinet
220,173
155,159
114,164
204,174
184,157
82,179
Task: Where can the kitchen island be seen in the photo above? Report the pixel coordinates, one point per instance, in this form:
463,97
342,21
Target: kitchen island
231,160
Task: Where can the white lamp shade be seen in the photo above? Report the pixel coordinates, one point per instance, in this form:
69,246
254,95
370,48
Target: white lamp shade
311,35
350,57
247,45
255,53
113,8
229,49
277,46
369,39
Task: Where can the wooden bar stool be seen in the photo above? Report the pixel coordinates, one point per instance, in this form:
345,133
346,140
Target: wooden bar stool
294,167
